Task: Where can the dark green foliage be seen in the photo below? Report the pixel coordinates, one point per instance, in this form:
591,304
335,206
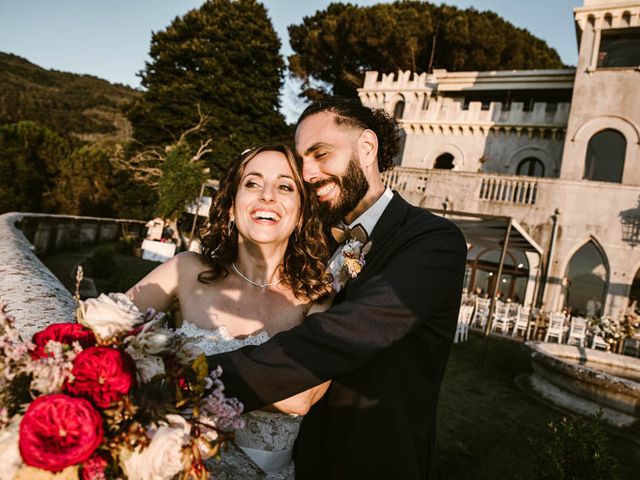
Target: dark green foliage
180,182
223,57
75,105
29,156
339,44
41,171
126,245
577,451
102,263
82,183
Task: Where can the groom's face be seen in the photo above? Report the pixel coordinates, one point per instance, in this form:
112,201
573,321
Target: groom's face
331,165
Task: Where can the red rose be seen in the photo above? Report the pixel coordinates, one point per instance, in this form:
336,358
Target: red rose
58,431
65,333
95,468
102,374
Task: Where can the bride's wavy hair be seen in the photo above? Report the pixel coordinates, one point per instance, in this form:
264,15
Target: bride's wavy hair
304,265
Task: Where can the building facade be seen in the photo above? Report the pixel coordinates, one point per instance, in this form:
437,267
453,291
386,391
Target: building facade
557,151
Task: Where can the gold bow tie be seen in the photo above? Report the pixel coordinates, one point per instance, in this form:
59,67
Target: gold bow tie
344,234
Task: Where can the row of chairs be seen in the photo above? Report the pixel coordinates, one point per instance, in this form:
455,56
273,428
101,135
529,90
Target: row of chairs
513,319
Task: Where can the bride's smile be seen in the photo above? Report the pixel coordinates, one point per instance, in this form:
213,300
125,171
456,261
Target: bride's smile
267,205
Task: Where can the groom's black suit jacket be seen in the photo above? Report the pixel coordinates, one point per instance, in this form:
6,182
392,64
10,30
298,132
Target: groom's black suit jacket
384,343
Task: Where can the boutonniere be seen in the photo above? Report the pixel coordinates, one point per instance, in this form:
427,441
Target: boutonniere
353,259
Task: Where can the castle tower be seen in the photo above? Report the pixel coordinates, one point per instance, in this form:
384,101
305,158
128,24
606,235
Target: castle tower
603,132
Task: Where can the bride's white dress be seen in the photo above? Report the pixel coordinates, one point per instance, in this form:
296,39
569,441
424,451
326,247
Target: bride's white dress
267,438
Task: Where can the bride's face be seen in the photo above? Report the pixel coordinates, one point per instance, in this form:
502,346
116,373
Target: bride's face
267,205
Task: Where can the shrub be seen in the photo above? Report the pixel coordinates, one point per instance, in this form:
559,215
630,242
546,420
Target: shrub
102,263
125,245
576,451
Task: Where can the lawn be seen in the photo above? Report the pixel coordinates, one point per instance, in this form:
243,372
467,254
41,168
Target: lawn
488,428
127,270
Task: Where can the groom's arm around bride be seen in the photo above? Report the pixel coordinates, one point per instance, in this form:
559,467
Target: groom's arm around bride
385,341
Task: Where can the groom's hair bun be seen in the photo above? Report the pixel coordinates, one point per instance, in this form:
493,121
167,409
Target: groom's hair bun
351,112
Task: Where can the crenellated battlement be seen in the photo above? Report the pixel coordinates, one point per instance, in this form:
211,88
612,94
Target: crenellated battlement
423,104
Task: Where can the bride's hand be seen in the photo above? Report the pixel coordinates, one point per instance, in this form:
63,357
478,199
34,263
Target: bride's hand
301,403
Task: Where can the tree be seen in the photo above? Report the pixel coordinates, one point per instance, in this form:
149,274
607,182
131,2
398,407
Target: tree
29,157
339,44
223,58
174,173
82,183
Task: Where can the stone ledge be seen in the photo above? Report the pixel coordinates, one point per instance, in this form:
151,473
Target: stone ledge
31,293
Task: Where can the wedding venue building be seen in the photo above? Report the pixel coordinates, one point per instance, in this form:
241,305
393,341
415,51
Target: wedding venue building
545,163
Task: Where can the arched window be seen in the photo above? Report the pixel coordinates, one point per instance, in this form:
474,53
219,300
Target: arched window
531,167
398,110
587,277
444,162
634,293
605,156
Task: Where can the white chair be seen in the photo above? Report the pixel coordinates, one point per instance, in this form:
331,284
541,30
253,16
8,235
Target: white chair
464,319
521,321
556,326
599,343
577,331
501,318
481,313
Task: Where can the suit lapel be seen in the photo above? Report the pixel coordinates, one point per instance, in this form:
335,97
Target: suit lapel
391,219
388,224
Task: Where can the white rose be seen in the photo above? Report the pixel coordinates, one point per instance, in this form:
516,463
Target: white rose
10,459
162,459
109,315
147,366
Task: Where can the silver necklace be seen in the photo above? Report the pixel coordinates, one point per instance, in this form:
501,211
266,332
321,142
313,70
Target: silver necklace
255,284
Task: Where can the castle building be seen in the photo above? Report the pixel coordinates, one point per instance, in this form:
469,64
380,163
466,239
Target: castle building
544,161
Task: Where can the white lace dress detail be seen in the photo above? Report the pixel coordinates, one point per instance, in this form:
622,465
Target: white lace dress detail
267,438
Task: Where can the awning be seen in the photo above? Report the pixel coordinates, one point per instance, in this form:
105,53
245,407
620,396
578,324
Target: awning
488,231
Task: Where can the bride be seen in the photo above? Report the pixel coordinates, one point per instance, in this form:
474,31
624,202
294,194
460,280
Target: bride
261,270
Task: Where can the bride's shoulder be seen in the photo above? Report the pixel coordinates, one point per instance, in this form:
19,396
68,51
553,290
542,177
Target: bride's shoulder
189,261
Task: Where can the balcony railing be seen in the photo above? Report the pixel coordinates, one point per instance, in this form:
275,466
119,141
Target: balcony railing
509,190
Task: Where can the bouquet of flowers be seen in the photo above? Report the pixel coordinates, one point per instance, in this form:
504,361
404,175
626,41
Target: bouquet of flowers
116,395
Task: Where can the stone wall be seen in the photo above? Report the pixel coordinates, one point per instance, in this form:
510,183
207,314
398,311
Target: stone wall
30,292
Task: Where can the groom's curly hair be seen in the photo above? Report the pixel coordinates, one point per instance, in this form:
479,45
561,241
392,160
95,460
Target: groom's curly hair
351,113
304,265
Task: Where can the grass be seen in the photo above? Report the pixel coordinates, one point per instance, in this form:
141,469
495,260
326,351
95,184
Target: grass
488,428
128,269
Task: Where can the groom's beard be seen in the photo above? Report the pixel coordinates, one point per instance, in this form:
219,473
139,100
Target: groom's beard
353,187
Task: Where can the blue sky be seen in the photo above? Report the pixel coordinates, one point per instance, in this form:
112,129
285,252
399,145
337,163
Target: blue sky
110,38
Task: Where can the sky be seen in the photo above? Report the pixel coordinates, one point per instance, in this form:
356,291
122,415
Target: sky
110,38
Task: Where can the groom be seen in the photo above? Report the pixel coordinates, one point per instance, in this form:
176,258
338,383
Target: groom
386,339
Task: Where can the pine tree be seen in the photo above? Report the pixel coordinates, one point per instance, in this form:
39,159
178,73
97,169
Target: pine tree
222,58
339,44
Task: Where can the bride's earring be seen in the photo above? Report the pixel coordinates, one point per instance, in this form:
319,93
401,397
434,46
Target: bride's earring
230,226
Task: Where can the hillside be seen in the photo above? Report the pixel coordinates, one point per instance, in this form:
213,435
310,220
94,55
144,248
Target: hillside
80,106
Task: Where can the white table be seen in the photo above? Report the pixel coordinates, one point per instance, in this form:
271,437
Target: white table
157,251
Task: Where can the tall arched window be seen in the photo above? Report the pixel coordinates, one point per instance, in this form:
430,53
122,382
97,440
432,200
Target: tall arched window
634,293
531,167
398,110
444,162
605,156
587,277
